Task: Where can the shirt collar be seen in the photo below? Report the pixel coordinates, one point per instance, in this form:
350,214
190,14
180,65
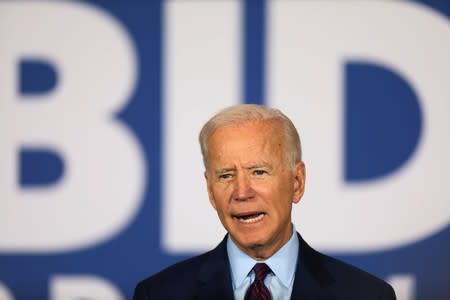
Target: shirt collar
282,263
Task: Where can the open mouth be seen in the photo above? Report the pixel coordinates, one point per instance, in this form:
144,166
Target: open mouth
250,218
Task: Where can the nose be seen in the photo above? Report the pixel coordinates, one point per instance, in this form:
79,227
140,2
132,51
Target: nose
243,188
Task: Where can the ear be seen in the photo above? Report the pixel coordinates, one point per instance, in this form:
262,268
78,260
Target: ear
299,181
209,187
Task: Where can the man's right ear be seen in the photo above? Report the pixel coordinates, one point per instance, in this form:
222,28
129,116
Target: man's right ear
209,188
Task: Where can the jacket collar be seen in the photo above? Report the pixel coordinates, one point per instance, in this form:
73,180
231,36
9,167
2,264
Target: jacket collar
311,276
215,275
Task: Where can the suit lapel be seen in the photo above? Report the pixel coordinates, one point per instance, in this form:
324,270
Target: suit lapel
214,280
311,277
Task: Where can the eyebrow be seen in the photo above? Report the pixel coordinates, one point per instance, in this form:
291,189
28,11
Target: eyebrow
263,164
258,166
224,170
253,166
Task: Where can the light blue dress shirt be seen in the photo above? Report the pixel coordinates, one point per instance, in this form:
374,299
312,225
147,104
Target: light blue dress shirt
282,263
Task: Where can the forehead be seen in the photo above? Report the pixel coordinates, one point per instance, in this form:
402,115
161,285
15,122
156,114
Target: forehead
258,129
251,138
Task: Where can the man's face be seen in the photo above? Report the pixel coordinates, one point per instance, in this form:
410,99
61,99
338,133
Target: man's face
251,185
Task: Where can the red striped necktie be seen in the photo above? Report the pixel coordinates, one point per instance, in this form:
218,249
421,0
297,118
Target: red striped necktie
258,290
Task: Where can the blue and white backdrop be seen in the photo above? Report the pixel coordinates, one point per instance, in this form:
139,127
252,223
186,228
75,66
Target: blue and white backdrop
101,102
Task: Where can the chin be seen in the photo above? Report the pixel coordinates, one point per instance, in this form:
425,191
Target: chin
252,242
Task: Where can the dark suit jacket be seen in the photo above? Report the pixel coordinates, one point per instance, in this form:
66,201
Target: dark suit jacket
317,276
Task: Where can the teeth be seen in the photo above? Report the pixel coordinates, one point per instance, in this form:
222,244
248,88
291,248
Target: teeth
251,219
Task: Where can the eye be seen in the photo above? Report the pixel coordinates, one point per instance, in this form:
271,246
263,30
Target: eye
259,172
225,176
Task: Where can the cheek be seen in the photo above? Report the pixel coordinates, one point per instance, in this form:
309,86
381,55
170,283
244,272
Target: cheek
282,199
223,191
220,198
266,189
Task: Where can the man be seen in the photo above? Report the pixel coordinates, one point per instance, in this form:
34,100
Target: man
254,174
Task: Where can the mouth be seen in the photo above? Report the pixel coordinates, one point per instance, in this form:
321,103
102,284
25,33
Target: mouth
248,218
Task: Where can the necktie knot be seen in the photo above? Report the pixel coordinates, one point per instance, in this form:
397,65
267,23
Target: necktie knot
258,290
261,271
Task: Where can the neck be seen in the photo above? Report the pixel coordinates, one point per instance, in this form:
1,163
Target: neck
264,251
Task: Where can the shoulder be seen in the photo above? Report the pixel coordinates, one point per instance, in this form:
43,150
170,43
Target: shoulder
184,274
342,279
353,283
345,270
186,279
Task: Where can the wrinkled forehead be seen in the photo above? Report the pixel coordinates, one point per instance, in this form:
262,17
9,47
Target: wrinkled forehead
268,125
262,139
270,129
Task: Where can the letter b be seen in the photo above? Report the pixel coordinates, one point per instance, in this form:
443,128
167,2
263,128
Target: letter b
101,187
